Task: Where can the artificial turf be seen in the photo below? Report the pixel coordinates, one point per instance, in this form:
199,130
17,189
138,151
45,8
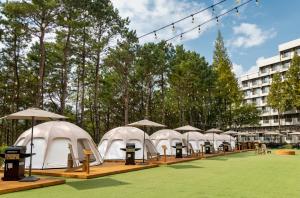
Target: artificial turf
240,175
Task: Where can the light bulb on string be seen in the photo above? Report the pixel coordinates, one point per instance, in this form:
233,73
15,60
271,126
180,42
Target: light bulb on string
237,11
257,2
217,18
199,29
213,9
155,35
173,27
193,19
181,36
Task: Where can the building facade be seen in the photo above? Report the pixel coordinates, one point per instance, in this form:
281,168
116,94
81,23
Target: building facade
256,87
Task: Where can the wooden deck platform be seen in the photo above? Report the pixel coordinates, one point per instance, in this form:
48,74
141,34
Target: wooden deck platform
107,168
172,160
14,186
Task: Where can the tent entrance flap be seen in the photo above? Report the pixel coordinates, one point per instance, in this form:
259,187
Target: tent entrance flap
83,144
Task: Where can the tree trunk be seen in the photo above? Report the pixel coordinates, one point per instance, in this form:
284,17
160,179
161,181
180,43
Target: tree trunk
40,89
148,91
163,109
83,58
96,94
65,73
126,97
279,121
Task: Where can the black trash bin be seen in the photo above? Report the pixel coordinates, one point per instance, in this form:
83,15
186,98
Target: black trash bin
130,153
14,163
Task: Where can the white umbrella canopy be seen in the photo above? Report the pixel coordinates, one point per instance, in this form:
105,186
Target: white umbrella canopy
294,133
146,122
34,113
187,128
213,130
230,132
272,133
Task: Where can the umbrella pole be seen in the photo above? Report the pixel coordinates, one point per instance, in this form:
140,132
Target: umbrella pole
144,148
187,146
31,145
214,142
30,178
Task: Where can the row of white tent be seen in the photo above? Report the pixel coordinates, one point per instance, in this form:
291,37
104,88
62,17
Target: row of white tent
52,141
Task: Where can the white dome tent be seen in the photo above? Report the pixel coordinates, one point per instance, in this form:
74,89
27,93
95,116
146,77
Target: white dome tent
167,137
51,145
229,139
213,139
115,139
195,139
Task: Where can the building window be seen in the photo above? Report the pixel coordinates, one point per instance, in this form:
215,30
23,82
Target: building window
288,118
245,84
265,90
286,65
254,82
275,67
264,100
286,54
266,79
265,121
275,119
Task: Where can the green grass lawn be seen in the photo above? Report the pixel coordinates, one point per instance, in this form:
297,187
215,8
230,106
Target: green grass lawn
239,175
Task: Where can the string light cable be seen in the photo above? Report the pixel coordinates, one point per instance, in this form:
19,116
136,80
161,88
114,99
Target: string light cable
182,19
217,18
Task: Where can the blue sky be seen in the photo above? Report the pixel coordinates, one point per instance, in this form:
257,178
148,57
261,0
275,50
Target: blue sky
255,34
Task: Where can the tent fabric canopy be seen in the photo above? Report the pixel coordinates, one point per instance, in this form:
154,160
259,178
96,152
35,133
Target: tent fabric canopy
35,113
51,145
117,138
195,139
187,128
167,137
146,122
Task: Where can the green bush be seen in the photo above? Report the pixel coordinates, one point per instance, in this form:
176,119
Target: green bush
2,148
287,146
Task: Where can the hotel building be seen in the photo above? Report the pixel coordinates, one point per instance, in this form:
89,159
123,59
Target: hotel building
256,87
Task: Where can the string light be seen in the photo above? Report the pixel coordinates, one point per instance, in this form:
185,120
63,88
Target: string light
199,29
184,18
193,19
257,2
173,27
217,18
181,36
155,35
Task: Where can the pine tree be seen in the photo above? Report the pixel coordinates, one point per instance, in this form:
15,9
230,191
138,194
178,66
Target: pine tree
226,93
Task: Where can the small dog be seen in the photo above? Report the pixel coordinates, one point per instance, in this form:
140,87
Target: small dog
269,152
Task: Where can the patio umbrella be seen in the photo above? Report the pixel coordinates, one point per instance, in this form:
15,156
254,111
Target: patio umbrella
33,114
187,128
145,123
213,131
230,132
294,133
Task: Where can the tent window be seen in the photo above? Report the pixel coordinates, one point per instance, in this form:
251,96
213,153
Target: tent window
84,144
